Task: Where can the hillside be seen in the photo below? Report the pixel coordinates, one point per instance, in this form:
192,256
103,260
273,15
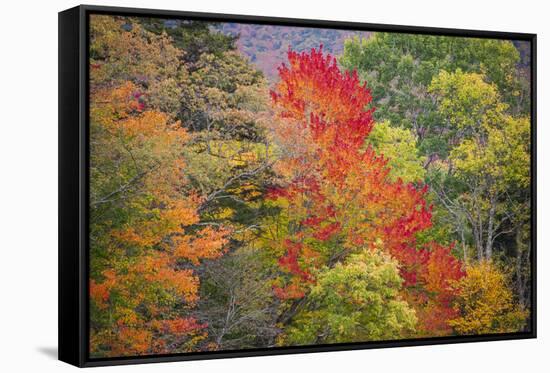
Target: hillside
266,45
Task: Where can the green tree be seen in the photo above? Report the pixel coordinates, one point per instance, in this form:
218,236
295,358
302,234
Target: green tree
400,67
196,38
398,145
489,165
229,154
355,301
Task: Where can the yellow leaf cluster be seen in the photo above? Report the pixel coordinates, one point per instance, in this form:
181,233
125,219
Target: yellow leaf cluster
485,303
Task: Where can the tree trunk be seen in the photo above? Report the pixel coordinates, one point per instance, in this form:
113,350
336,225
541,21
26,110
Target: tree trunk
478,241
464,248
490,227
520,278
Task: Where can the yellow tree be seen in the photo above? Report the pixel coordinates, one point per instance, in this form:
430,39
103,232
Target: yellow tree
485,303
489,164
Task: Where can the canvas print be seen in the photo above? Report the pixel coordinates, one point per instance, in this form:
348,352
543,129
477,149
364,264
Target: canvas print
258,186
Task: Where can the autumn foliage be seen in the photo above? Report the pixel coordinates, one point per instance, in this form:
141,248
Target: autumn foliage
145,276
229,213
485,302
340,192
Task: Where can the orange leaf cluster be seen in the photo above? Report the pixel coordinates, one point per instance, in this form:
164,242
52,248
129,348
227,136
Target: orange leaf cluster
148,250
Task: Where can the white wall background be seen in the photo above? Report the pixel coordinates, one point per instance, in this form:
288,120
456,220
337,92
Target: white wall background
28,185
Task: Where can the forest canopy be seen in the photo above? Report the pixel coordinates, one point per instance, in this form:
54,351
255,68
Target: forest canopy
379,193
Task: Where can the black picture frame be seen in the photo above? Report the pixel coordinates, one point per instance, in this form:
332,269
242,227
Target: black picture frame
74,180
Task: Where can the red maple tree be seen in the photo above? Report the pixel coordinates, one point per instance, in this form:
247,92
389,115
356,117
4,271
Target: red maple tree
338,192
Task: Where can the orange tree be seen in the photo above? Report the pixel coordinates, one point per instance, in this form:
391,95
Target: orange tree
337,199
144,230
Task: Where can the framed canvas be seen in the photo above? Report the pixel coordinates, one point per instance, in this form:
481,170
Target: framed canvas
236,186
